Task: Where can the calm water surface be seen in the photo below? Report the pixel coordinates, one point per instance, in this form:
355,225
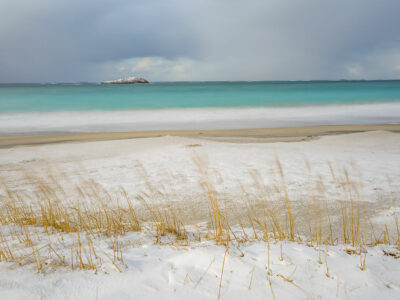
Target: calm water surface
86,96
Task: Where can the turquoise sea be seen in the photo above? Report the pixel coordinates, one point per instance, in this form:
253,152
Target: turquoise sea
90,107
87,96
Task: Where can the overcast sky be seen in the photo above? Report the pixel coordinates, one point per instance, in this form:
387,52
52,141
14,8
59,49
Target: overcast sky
94,40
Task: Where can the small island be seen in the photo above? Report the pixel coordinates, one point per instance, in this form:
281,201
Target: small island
127,80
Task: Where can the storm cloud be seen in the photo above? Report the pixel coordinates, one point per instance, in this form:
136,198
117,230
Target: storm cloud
94,40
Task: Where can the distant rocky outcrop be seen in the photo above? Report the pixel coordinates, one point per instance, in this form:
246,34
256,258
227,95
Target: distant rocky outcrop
127,80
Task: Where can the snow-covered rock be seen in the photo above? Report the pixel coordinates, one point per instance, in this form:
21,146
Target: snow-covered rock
126,80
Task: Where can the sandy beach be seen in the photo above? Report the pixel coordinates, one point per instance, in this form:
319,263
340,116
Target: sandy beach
239,135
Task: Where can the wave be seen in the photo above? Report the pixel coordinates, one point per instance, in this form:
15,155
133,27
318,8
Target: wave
197,118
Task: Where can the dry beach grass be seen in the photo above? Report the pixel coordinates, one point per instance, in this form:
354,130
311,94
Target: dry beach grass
47,220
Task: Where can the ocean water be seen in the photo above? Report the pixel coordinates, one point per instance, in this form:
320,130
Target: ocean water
75,97
86,107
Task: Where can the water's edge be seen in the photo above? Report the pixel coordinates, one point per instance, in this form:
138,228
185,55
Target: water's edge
196,118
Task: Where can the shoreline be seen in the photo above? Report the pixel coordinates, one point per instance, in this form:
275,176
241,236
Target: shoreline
263,135
79,122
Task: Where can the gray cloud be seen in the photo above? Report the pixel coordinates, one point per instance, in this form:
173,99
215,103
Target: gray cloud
44,40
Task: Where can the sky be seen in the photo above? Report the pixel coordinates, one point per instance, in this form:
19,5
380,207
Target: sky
196,40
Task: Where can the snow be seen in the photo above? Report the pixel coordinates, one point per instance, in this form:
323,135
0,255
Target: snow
177,271
371,158
166,272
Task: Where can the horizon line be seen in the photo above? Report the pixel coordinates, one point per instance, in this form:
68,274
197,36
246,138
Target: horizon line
204,81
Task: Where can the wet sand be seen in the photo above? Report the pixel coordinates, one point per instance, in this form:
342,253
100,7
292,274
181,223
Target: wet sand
263,135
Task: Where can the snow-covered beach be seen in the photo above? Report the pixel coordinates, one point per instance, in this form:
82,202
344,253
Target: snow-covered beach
241,171
199,149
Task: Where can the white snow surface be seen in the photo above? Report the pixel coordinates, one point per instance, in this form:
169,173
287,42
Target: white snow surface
371,158
164,272
169,272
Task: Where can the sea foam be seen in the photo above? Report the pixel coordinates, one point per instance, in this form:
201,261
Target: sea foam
197,118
